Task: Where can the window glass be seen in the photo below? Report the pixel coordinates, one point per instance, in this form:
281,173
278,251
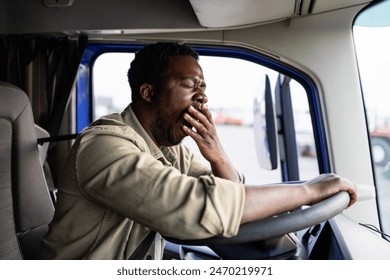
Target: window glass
232,86
372,41
307,157
111,90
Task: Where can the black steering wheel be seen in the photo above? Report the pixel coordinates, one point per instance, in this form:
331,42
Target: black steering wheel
278,225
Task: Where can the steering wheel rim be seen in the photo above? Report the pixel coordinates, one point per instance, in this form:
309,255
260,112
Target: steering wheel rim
278,225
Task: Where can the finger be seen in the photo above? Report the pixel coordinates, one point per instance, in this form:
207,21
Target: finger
353,193
199,127
193,134
205,110
353,198
198,115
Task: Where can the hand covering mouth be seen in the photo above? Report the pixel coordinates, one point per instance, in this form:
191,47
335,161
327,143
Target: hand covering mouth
187,125
198,106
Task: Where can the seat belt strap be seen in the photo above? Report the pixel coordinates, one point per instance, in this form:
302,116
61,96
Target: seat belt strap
140,252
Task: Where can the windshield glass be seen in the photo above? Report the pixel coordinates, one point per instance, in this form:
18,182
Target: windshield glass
372,40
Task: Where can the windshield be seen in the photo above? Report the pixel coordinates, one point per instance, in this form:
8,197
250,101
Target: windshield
372,40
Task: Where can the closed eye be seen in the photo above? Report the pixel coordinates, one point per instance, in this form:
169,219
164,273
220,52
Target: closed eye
193,83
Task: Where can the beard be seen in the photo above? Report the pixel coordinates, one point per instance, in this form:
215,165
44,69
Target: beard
166,132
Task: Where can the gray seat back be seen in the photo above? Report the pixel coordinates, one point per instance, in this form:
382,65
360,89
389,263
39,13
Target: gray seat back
25,204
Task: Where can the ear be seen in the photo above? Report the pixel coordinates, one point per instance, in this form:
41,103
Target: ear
146,91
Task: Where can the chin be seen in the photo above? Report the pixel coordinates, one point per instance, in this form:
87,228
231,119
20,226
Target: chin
172,141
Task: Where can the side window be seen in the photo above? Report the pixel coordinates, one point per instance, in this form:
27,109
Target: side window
307,157
372,41
233,85
110,88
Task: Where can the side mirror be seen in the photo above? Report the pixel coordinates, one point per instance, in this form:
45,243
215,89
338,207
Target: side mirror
265,127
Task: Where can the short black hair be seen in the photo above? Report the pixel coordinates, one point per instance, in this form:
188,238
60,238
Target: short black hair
151,63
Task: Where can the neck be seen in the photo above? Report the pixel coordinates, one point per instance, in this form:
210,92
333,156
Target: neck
145,116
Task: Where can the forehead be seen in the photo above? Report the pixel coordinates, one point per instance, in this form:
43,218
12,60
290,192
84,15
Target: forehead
184,66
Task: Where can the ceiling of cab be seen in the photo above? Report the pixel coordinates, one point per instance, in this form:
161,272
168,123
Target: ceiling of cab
147,16
233,13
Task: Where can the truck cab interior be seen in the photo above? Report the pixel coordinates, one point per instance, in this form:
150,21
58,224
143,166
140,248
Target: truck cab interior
308,110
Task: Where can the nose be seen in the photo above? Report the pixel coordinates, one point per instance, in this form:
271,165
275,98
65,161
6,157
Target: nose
200,97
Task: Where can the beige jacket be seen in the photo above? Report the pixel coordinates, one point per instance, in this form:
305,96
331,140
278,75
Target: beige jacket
117,186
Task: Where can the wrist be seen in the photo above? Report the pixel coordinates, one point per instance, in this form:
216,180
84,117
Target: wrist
309,194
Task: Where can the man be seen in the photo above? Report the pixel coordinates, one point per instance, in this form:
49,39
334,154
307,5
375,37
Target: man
127,174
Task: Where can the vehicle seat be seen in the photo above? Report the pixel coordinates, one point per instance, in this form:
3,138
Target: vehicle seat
25,204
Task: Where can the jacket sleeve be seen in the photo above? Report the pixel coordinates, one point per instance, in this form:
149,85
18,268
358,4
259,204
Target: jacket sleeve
116,173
